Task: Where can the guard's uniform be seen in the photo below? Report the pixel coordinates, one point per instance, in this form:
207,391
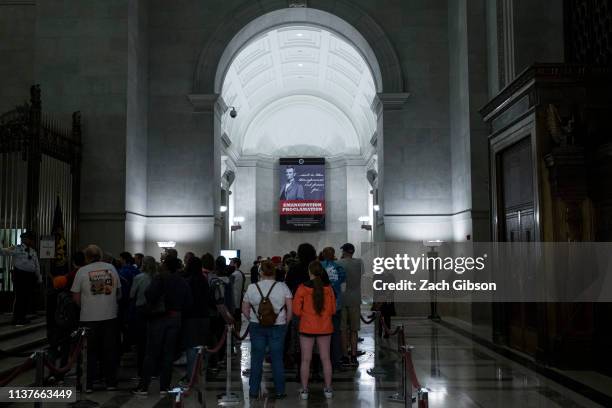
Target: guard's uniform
26,274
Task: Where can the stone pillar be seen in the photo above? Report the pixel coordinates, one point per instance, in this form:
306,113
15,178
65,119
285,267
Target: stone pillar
357,193
245,200
468,132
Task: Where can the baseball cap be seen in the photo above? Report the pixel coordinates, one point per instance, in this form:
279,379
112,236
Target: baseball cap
350,248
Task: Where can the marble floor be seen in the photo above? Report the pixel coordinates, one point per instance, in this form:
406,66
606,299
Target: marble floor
457,372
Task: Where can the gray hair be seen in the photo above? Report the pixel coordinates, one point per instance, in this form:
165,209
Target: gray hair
93,253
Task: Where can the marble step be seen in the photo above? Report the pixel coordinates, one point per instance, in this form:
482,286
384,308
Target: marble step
25,339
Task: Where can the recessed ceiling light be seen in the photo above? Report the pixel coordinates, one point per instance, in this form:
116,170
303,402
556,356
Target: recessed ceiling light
299,34
300,65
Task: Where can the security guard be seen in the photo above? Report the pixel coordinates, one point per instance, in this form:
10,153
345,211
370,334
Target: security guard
25,274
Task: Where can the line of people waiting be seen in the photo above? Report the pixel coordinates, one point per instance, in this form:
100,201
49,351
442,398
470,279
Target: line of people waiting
171,307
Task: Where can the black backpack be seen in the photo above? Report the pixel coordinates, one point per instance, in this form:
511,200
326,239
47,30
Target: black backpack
66,312
217,285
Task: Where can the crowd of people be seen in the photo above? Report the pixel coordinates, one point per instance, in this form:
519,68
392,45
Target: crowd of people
299,305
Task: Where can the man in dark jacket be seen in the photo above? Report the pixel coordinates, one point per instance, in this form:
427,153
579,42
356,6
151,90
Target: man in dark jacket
168,296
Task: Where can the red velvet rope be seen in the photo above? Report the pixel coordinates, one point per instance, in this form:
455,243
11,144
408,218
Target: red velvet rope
71,360
237,335
410,369
363,319
178,401
220,344
25,366
401,339
387,330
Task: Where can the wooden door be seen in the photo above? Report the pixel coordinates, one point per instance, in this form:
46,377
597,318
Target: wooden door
517,224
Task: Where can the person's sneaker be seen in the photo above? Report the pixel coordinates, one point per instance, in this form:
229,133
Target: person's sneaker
280,396
304,394
328,392
140,392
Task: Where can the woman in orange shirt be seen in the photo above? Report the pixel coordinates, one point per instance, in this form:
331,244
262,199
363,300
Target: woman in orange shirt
315,304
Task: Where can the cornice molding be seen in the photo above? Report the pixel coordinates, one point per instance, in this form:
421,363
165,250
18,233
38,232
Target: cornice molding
393,101
225,139
270,162
17,2
205,102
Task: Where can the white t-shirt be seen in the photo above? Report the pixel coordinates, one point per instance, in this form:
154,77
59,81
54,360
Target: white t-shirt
97,283
277,297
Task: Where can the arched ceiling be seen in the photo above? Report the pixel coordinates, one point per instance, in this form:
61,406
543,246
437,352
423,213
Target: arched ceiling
305,61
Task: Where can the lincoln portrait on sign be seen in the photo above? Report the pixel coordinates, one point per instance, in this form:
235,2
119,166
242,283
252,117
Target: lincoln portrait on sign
291,190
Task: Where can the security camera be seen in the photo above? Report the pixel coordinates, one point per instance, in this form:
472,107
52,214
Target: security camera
233,113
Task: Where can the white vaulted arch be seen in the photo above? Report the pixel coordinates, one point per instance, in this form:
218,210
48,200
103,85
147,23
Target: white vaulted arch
300,65
304,83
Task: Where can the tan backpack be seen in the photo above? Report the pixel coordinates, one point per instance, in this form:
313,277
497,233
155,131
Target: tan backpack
265,312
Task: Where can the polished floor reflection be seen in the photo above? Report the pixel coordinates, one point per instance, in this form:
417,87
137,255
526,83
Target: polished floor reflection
458,373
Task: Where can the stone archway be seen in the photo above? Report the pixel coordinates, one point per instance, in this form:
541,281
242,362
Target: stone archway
346,20
342,17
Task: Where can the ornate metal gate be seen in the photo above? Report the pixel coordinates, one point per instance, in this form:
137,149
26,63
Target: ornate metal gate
39,169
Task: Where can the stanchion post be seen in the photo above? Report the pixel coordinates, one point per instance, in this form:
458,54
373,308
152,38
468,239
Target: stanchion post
400,396
203,377
407,356
423,398
39,357
201,384
79,370
229,398
177,402
377,370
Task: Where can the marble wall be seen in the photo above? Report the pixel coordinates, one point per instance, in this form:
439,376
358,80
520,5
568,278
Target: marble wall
81,63
150,158
17,48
